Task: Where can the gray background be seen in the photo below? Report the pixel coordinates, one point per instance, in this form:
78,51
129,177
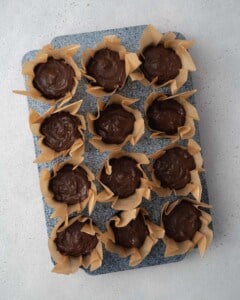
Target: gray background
24,258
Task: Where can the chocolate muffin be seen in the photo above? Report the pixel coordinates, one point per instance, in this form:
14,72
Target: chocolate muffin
160,62
182,222
54,78
70,186
132,235
73,242
125,177
60,131
173,168
107,69
166,116
114,124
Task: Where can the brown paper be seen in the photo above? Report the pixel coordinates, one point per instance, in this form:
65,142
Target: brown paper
194,186
133,138
70,264
151,36
65,53
134,200
62,210
113,43
186,131
202,238
48,154
137,255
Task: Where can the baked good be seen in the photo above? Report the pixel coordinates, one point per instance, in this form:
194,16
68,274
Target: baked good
75,243
176,168
115,124
123,180
107,66
171,116
68,187
186,226
131,233
59,132
52,76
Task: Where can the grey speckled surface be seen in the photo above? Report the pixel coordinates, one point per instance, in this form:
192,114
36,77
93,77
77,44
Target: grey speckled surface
93,159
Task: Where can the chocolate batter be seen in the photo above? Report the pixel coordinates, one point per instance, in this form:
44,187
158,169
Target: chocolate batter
125,177
107,69
70,186
166,116
132,235
114,124
183,222
53,78
160,62
73,242
60,131
173,168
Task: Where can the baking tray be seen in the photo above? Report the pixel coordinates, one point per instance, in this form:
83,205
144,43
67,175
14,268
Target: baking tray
94,159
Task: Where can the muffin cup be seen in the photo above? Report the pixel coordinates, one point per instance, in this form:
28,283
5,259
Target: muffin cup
194,186
42,56
47,154
70,264
113,43
137,255
151,36
202,238
62,210
134,200
133,138
186,131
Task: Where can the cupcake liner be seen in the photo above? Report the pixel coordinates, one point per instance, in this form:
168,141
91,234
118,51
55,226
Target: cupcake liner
47,154
202,238
113,43
70,264
133,138
134,200
194,186
151,36
137,255
186,131
62,210
42,56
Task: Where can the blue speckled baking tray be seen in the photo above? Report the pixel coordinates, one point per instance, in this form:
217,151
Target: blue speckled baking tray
103,211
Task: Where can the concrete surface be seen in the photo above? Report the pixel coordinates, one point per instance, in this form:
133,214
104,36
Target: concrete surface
24,259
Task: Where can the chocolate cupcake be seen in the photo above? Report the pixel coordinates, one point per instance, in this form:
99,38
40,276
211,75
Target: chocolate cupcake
171,116
186,226
75,244
107,66
123,180
52,76
175,169
68,188
131,233
115,124
165,60
59,132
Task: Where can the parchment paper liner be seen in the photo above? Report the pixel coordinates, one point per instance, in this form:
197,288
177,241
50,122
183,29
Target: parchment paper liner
151,36
70,264
186,131
133,138
194,186
62,210
134,200
202,238
65,53
113,43
48,154
137,255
